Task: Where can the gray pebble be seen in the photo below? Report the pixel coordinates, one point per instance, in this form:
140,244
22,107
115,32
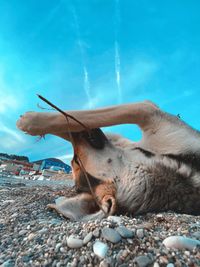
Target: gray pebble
181,242
170,265
143,261
111,235
8,263
22,232
115,219
87,238
100,249
73,242
140,233
125,232
43,231
104,263
96,233
156,264
57,248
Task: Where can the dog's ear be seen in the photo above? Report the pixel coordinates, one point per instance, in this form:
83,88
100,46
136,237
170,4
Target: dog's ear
84,208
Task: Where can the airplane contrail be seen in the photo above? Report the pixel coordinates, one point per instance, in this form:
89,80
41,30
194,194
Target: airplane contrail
117,52
85,70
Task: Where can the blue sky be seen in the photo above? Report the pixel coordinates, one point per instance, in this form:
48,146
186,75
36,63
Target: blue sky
92,53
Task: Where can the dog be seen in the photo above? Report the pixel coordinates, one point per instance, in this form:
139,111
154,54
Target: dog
159,173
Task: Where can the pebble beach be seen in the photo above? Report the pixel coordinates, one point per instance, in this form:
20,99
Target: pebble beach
32,235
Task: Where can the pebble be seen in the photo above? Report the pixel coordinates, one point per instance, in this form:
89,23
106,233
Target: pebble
156,264
170,265
73,242
143,261
87,238
31,236
100,249
22,232
125,232
111,235
181,242
104,263
140,233
43,231
115,219
57,247
96,233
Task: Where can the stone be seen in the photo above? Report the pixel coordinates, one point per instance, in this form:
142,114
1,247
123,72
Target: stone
170,265
31,236
115,219
143,261
73,242
140,233
111,235
156,264
87,238
22,232
125,232
8,263
96,233
181,242
43,231
104,263
57,247
100,249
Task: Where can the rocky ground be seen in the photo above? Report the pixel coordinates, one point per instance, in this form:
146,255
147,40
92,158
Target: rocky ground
31,235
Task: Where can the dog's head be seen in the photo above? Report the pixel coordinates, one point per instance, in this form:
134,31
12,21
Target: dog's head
96,168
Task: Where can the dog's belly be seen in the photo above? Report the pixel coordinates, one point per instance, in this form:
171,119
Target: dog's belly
159,185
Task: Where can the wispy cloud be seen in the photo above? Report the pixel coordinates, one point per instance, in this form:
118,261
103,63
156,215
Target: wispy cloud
10,139
117,71
83,56
117,51
8,100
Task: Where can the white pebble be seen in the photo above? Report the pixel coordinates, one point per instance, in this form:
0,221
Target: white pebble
100,249
73,242
181,242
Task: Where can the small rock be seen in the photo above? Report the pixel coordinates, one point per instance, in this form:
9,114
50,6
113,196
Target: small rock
8,263
96,232
43,231
111,235
31,236
104,263
73,242
181,242
22,232
87,238
57,247
125,232
140,233
156,264
143,261
115,219
170,265
100,249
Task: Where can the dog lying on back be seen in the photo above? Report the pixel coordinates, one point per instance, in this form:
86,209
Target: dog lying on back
159,173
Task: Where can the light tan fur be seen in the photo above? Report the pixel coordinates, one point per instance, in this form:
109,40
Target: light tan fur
161,172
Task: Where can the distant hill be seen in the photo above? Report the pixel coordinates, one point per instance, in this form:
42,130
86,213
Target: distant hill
52,159
16,157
